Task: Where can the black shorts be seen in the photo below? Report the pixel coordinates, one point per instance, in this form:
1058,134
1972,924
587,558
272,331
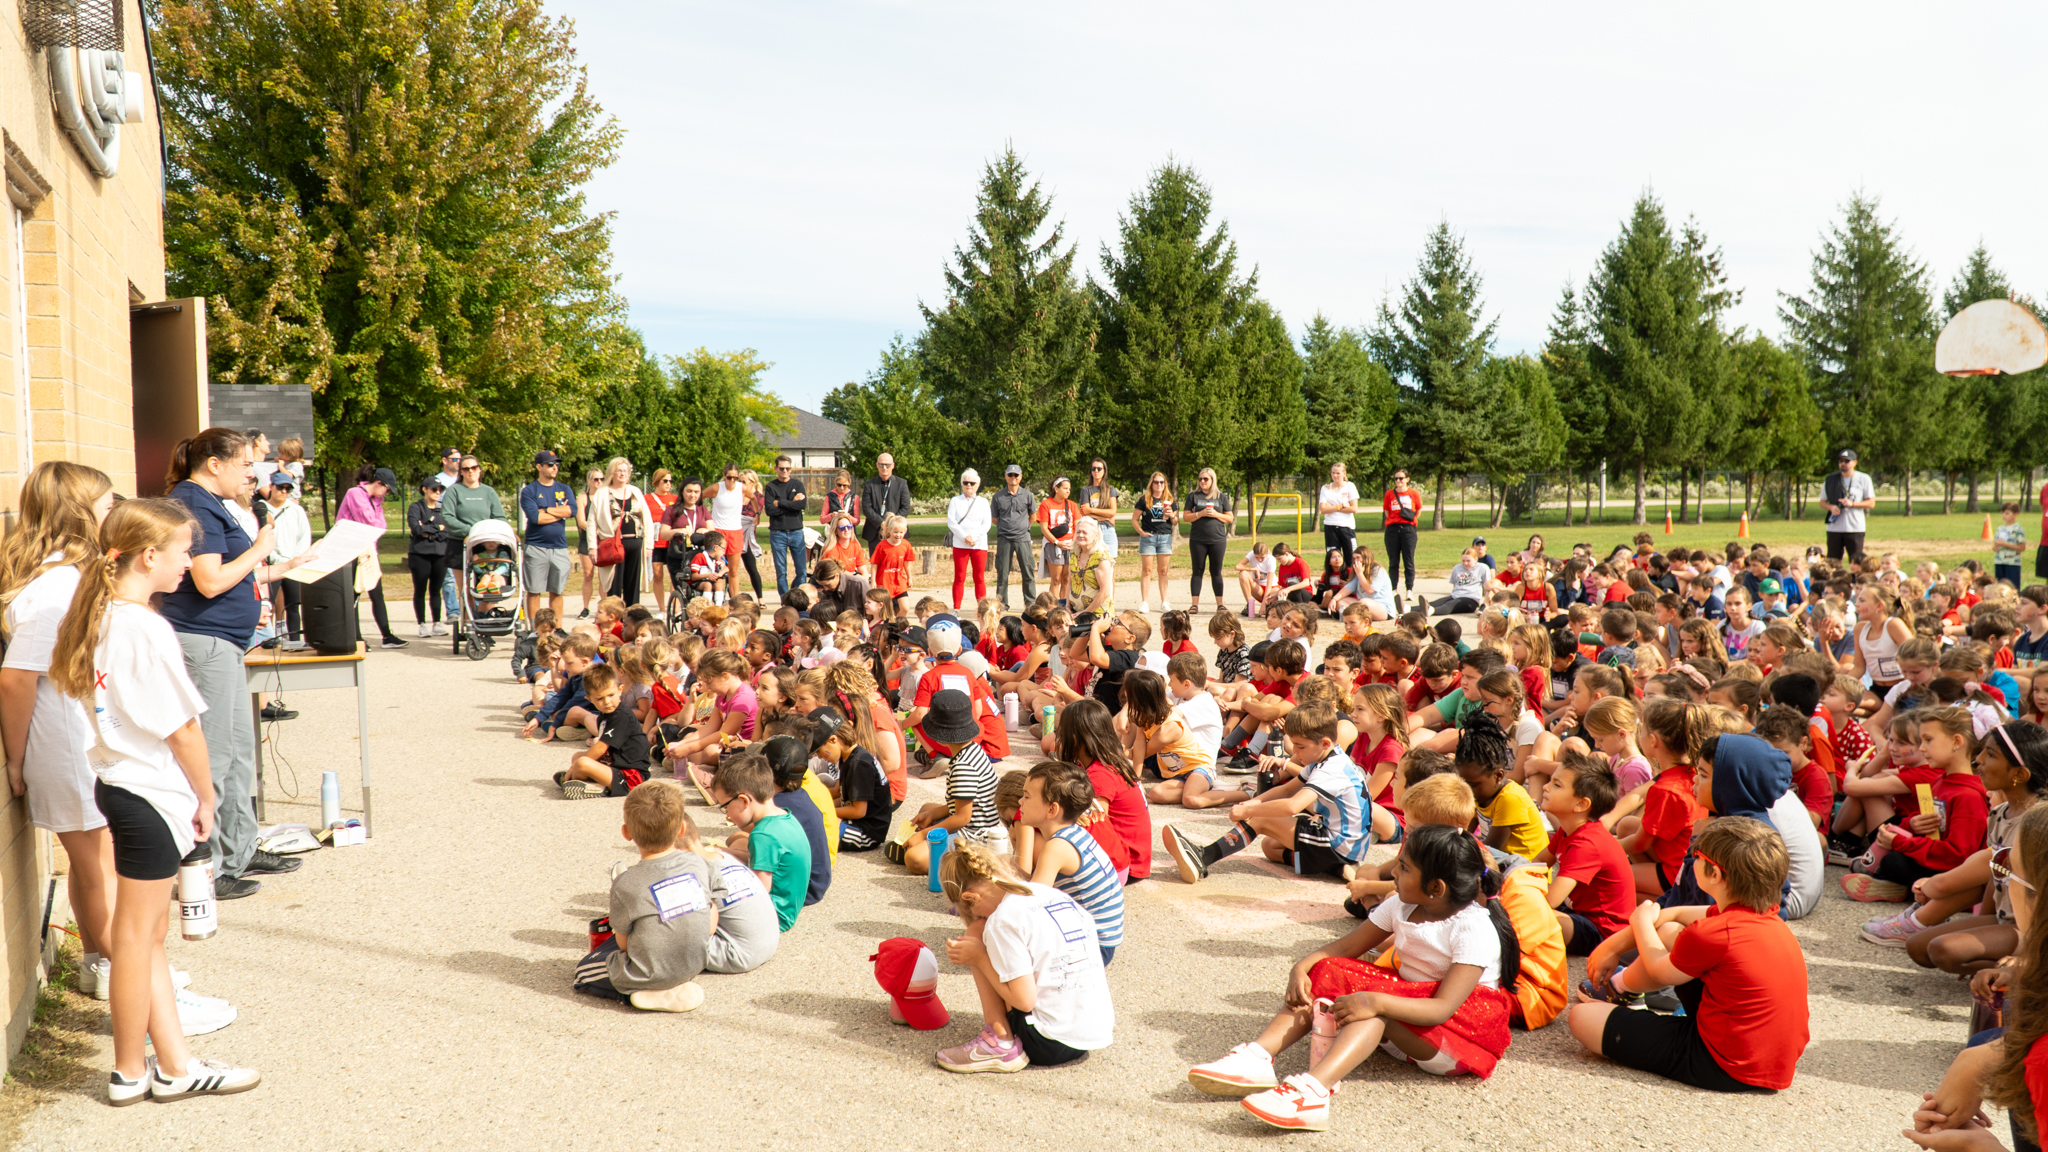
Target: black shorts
144,848
1586,935
1311,854
2041,562
1668,1046
1043,1050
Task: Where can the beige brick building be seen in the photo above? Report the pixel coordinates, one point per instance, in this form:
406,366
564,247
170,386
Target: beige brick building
81,347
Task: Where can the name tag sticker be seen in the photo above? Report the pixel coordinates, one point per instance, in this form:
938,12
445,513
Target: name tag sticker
678,895
1069,919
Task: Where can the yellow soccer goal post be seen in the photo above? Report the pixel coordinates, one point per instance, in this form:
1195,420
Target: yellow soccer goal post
1266,505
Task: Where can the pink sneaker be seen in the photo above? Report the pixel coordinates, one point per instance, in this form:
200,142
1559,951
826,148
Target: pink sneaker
1893,931
985,1053
1869,889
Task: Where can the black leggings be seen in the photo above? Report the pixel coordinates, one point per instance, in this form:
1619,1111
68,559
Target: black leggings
428,572
378,613
626,578
1211,552
1452,605
1400,541
753,572
1338,536
288,592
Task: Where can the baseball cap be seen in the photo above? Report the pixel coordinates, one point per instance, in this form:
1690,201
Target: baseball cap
915,637
1013,470
386,477
1479,540
281,479
1846,454
908,972
447,452
545,457
433,482
1769,586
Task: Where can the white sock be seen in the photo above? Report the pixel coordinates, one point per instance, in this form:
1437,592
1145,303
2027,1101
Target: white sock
89,959
1913,914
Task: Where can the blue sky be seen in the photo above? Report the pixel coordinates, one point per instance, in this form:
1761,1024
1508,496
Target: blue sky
794,176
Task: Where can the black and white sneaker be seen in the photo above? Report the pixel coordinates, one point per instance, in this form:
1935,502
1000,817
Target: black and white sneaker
1187,856
235,887
122,1091
392,642
1241,763
203,1078
582,790
271,864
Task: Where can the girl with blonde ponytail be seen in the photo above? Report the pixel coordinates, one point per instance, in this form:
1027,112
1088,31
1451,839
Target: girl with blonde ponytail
45,734
1054,1008
122,660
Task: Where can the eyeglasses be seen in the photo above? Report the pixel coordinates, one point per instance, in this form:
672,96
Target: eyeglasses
845,527
727,806
967,483
1095,467
2002,870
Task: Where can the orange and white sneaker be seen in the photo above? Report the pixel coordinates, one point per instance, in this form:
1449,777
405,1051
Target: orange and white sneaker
1241,1071
1871,890
1300,1104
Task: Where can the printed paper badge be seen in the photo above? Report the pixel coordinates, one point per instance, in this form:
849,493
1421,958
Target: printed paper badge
678,895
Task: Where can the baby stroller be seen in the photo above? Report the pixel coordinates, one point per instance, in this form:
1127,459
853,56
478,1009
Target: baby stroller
491,605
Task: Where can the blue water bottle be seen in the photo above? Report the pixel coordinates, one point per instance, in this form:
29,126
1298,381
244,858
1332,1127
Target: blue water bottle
938,839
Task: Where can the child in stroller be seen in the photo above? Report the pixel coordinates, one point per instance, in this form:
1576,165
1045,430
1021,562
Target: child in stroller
491,581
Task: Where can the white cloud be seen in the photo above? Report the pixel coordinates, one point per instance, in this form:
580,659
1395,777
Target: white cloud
794,176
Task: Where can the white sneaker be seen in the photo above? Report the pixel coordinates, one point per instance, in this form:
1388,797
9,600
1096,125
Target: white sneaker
203,1014
1301,1103
1165,607
96,979
180,980
1241,1071
440,629
1141,608
122,1091
425,632
203,1078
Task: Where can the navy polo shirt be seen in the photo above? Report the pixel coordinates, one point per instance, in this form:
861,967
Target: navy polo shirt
232,615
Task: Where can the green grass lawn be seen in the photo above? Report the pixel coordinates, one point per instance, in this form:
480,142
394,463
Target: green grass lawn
1927,535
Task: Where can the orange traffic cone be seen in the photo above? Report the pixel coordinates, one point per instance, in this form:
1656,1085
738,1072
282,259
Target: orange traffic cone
1742,530
1987,526
1667,521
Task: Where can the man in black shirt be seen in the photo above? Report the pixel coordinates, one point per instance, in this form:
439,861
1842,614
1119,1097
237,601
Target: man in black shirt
782,501
883,496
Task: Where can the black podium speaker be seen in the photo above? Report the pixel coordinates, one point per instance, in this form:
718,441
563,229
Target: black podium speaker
328,608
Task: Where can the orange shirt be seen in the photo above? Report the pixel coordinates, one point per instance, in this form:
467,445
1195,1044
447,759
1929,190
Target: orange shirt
892,566
851,555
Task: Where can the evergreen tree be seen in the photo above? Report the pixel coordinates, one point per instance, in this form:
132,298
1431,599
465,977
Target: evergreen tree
1436,349
1653,337
1173,312
384,199
1867,332
1528,429
1005,356
1353,400
1276,419
712,390
1580,401
642,419
1699,446
893,411
1767,420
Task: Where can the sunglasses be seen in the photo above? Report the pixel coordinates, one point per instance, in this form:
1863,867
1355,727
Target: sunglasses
471,467
2001,868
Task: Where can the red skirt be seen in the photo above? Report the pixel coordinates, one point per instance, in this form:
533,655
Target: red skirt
1475,1035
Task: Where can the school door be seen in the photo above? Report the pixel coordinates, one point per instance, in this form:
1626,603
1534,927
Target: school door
167,369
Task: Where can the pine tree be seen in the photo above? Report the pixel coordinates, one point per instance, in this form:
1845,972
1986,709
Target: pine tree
1436,349
893,411
1580,402
1653,338
1167,393
1005,356
1867,332
1270,381
1353,399
1699,446
384,199
1767,422
1529,430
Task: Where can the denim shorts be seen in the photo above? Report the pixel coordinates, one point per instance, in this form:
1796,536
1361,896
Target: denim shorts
1156,544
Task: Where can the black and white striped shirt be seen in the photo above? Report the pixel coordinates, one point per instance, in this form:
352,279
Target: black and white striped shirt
974,778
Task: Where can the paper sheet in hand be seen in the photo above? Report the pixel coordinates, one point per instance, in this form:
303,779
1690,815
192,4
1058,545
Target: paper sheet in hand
346,542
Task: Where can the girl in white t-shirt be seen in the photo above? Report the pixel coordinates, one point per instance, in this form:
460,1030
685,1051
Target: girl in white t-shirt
1446,1011
1037,968
117,656
46,733
1256,571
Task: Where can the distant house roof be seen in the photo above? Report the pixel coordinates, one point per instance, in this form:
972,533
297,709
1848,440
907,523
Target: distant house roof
812,431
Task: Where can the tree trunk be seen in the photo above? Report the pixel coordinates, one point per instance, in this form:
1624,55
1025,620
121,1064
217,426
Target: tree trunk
1906,490
1496,501
1948,493
1684,493
1567,499
1642,515
1699,506
1972,505
1437,519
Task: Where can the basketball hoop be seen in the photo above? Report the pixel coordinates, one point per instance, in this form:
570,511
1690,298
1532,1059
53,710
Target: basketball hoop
1990,337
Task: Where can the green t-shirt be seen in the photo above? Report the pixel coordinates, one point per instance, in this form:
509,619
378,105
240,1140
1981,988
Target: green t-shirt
1453,708
777,845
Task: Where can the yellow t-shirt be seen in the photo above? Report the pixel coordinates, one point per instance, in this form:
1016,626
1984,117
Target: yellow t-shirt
828,808
1512,809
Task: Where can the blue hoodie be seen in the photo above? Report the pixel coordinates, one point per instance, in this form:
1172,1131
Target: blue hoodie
1749,776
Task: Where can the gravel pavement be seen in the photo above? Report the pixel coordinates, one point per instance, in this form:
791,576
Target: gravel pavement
414,993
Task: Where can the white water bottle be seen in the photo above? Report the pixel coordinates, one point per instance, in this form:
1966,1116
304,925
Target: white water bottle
1010,712
198,915
330,799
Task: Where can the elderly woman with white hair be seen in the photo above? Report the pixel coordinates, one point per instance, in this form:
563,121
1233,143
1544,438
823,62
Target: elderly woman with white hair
619,509
1092,571
968,519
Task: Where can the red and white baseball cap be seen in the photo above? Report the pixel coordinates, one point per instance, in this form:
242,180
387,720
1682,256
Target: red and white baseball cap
907,971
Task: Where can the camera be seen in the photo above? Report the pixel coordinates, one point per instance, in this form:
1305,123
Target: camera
1082,625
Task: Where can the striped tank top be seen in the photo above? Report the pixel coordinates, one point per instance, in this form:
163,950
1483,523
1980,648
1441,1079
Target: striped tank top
1094,885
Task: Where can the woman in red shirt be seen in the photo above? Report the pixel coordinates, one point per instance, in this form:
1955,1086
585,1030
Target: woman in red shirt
1400,508
660,497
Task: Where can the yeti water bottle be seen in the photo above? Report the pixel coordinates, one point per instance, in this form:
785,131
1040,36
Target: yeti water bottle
198,916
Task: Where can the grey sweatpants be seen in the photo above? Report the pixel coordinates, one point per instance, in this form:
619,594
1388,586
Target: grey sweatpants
1020,553
216,670
730,956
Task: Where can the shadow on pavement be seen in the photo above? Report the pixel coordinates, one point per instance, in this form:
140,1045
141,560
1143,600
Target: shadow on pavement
577,942
542,785
1888,1066
1244,949
1205,1036
859,1018
547,977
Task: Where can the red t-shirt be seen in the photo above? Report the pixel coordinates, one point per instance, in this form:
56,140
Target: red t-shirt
1822,728
1284,689
1535,686
1851,742
1606,891
1401,507
892,566
1753,1015
1669,812
1293,572
995,736
2003,659
2037,1071
1815,787
1616,593
1387,751
1174,648
1128,814
1421,695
